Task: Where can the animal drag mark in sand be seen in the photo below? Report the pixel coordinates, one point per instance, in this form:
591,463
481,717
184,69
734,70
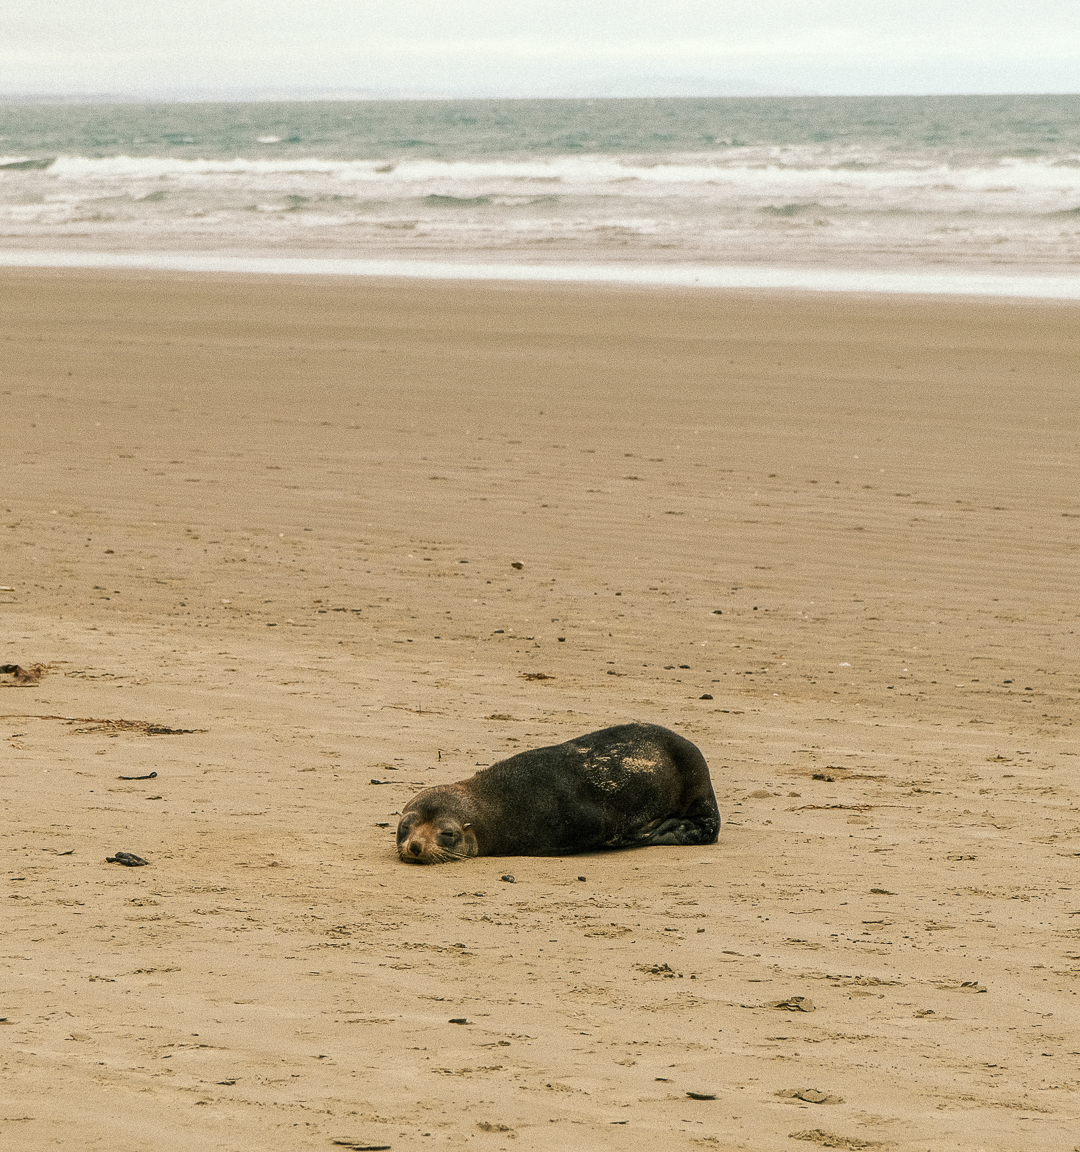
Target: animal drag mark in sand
630,786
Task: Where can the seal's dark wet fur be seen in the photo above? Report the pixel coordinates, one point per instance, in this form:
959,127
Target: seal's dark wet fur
629,786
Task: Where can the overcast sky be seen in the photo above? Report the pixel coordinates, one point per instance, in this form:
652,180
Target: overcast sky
538,47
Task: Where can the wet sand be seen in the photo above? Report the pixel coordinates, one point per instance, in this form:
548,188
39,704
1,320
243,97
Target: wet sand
358,537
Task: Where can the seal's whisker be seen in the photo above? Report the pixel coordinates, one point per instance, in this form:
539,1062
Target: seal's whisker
434,856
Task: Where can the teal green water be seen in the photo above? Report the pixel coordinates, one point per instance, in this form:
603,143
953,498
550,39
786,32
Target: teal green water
983,182
955,129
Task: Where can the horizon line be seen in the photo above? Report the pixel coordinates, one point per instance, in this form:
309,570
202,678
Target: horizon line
333,96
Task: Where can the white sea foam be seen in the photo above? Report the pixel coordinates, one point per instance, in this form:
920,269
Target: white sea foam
975,183
671,275
806,205
1012,175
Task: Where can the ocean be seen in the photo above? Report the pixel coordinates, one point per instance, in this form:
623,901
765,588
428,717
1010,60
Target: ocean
976,189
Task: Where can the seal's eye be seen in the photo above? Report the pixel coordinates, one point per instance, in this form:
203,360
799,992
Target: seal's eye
448,839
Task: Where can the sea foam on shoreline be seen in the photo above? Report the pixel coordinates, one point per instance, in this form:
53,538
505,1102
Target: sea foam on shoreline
950,283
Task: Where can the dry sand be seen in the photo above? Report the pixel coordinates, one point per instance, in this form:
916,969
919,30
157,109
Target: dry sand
832,540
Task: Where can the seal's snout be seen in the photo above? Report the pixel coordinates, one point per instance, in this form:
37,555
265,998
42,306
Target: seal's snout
426,841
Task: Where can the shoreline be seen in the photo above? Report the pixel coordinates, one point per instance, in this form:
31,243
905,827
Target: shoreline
820,280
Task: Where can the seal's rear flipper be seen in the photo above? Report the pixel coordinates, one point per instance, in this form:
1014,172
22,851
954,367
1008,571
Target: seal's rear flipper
676,831
701,825
697,827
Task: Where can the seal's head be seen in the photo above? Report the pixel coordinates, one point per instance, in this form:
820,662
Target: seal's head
434,837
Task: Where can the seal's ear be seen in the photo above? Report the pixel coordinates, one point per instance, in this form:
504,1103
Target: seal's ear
464,826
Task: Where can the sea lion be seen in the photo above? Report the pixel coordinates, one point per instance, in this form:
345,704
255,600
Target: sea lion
624,787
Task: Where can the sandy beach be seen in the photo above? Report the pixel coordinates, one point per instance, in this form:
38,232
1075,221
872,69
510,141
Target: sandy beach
303,546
